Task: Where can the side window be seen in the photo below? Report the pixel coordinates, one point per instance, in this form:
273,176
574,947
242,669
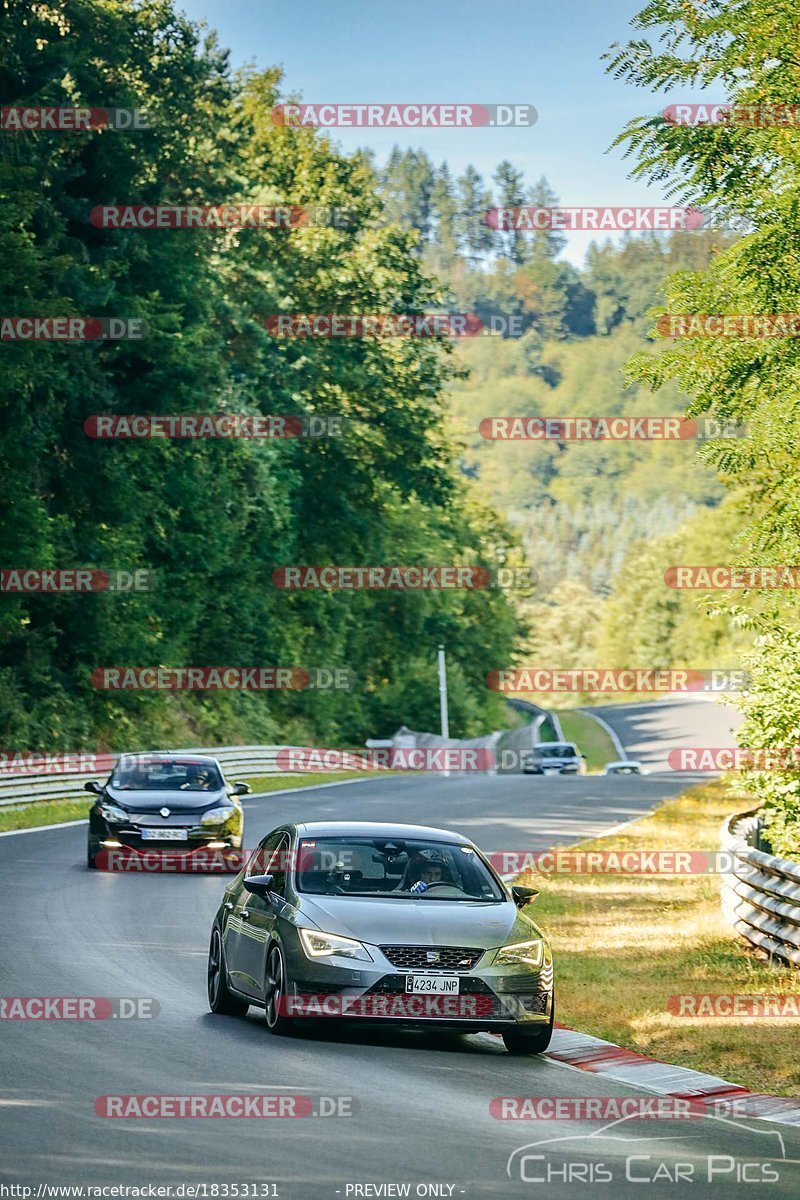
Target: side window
278,864
259,863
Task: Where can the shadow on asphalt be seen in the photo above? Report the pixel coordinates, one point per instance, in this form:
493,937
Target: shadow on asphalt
248,1028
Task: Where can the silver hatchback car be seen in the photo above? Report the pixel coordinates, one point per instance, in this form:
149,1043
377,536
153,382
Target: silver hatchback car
381,922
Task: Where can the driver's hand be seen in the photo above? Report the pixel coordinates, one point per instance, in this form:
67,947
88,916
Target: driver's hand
420,886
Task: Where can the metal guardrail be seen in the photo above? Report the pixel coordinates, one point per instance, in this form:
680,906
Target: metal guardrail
23,787
761,892
236,761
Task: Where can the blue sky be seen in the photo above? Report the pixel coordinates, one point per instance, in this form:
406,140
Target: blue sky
545,54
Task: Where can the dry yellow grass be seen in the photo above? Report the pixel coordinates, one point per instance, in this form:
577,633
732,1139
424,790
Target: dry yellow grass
625,944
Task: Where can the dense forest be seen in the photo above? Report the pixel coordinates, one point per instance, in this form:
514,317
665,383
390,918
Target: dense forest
214,519
595,519
413,481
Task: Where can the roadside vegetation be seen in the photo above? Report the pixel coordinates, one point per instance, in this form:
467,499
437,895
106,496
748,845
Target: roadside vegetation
624,944
591,738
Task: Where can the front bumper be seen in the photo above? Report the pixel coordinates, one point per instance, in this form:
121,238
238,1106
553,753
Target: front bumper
204,849
489,998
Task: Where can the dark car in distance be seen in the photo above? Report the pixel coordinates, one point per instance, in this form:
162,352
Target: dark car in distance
395,924
164,801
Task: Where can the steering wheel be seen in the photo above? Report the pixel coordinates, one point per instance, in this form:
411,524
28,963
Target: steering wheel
442,883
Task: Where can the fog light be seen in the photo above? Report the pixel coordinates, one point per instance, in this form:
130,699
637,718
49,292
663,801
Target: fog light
112,845
216,846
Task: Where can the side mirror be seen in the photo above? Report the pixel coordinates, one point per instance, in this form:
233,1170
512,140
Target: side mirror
259,885
94,786
524,895
242,789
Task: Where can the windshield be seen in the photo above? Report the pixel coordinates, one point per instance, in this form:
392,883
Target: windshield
166,775
556,750
403,869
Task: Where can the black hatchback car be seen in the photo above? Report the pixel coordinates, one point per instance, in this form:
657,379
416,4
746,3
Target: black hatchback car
158,802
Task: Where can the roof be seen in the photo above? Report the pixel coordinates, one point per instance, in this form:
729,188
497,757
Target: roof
186,756
381,829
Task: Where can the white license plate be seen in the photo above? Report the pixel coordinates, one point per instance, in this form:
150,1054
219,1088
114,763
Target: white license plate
165,835
432,985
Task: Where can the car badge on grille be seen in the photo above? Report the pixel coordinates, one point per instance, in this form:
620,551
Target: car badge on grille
465,962
164,812
433,956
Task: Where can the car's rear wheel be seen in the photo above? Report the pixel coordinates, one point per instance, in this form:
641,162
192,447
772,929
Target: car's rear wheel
534,1041
221,999
275,993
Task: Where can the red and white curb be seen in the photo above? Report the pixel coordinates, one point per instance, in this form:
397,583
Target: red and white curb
587,1053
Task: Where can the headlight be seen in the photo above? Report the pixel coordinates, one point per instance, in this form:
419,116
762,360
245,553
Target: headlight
215,815
111,812
527,954
320,945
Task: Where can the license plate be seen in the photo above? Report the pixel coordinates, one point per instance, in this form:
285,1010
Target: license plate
432,985
165,835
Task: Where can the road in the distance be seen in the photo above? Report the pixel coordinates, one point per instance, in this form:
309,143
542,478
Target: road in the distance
649,731
421,1100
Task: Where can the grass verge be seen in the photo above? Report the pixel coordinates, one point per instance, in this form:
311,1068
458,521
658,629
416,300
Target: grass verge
592,740
624,944
56,812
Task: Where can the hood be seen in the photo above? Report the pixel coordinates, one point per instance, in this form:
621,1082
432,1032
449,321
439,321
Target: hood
144,800
381,921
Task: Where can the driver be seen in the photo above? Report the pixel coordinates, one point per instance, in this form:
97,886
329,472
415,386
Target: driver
430,871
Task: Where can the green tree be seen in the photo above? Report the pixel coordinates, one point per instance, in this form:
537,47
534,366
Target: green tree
475,235
749,175
510,183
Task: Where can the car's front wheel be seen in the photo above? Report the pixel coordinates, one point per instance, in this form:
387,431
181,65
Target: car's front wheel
533,1041
275,994
221,999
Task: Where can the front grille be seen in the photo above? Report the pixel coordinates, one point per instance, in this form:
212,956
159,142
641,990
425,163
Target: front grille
448,958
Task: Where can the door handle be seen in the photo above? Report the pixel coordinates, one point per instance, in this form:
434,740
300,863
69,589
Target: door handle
244,914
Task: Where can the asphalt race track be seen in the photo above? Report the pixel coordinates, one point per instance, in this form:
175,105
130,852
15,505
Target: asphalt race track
420,1101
